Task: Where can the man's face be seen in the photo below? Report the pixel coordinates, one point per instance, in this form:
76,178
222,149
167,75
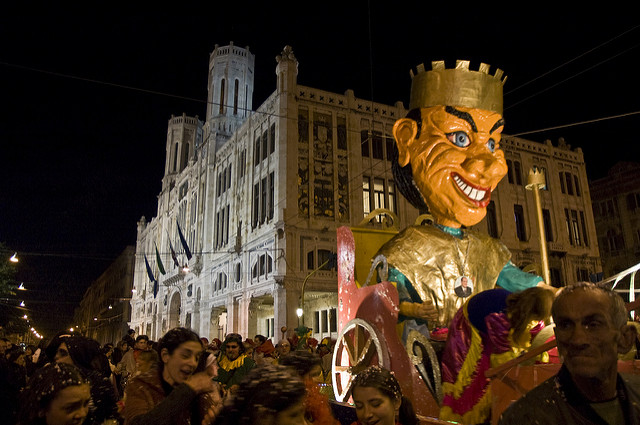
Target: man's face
587,338
456,161
180,365
285,348
233,350
463,282
142,344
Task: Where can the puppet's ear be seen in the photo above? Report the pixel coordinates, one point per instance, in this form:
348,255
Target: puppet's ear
404,131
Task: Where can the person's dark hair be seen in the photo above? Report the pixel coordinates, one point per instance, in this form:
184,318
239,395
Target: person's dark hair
55,342
301,361
233,337
13,353
87,355
385,381
142,337
618,311
131,332
260,338
174,338
525,306
403,176
43,387
266,390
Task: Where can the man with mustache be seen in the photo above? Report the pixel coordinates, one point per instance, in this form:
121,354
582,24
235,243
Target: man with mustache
591,330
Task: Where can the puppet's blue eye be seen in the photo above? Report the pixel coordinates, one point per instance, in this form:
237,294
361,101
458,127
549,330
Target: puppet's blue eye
459,138
491,144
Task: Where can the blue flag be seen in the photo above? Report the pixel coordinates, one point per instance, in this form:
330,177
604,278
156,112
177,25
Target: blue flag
184,243
149,272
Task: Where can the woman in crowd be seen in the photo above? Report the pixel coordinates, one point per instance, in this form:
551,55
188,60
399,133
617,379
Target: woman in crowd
268,395
57,394
308,366
491,328
174,392
378,399
85,353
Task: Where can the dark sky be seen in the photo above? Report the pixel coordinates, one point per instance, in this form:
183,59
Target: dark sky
86,95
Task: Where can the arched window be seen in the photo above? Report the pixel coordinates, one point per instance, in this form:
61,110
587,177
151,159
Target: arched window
222,88
185,156
235,97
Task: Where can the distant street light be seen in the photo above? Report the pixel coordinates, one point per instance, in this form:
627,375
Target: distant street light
21,287
14,258
22,304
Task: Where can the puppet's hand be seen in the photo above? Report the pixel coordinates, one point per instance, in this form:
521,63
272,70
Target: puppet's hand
425,311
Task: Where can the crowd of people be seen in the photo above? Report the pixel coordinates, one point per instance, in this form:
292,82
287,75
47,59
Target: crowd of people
185,379
180,379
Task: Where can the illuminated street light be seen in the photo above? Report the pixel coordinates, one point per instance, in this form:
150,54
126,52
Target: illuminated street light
22,304
21,287
299,312
25,317
14,258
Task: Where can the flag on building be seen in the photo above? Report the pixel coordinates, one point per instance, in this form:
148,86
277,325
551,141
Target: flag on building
159,260
173,255
184,243
149,272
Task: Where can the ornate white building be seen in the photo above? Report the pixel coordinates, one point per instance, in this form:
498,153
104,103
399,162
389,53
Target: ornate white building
258,196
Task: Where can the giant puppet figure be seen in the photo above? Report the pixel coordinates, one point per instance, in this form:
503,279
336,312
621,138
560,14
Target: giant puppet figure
449,162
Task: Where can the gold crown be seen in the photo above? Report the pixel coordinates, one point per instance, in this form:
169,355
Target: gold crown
460,87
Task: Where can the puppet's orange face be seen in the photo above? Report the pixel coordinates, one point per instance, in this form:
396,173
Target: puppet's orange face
456,160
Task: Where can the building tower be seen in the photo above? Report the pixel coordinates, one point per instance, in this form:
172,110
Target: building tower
230,87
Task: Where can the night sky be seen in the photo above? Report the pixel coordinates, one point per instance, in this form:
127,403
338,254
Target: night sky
86,95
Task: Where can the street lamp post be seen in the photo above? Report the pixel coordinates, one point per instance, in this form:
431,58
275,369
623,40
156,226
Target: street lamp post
300,310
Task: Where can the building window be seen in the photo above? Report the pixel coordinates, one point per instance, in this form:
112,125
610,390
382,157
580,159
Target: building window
377,145
548,229
390,146
492,220
378,193
262,267
323,255
382,196
272,138
391,187
583,224
514,172
366,195
265,145
235,97
364,143
222,87
256,151
521,231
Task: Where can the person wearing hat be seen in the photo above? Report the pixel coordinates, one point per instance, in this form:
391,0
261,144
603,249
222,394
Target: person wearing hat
233,362
264,352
